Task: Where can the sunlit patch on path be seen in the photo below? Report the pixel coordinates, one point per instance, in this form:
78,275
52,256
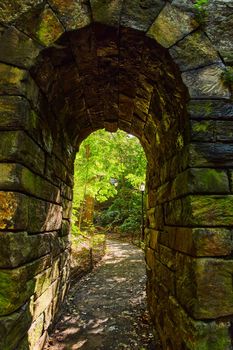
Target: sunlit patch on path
107,309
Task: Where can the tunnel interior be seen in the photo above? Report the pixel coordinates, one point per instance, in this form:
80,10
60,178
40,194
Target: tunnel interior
151,71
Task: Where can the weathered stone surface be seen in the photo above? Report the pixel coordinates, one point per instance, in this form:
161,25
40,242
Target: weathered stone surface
200,211
210,155
19,248
203,130
15,113
18,178
210,109
194,51
196,334
140,14
194,180
17,285
203,302
42,24
224,131
40,304
67,208
56,171
219,24
198,241
171,25
106,12
43,216
11,9
206,82
13,327
201,181
16,146
18,49
65,228
17,211
13,211
73,14
35,331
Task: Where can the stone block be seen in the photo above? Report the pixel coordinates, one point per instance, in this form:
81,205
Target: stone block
41,24
43,216
198,241
171,25
16,81
38,306
17,48
164,276
205,154
65,228
13,211
108,13
73,15
140,14
194,51
18,248
210,109
197,210
206,82
66,208
224,131
35,331
18,147
16,113
204,286
167,257
200,180
18,178
193,334
17,285
10,10
155,217
13,327
203,130
56,171
153,238
218,26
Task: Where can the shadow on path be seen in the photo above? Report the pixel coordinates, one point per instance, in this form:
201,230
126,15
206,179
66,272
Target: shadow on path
107,308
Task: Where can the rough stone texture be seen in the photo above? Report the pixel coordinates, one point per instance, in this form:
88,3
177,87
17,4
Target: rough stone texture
73,14
198,241
16,146
219,27
140,14
215,273
10,10
17,48
206,82
41,24
194,51
107,75
171,25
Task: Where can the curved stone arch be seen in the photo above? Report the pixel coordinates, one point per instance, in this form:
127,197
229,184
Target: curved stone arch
189,218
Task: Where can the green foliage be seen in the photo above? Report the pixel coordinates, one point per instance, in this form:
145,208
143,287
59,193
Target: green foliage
227,75
125,211
104,156
200,7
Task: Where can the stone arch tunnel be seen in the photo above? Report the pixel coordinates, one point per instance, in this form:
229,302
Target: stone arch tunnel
152,69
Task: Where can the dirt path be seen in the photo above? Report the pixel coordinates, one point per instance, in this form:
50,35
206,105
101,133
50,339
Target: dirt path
107,309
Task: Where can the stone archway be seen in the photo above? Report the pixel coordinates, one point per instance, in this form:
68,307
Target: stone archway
147,68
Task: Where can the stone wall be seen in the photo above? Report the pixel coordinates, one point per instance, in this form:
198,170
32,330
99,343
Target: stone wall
153,70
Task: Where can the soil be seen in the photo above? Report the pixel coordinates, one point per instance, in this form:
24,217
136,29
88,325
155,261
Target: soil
107,308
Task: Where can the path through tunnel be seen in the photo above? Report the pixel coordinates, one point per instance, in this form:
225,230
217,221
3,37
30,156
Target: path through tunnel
147,69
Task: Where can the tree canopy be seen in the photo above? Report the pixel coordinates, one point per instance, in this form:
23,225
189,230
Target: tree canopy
105,158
